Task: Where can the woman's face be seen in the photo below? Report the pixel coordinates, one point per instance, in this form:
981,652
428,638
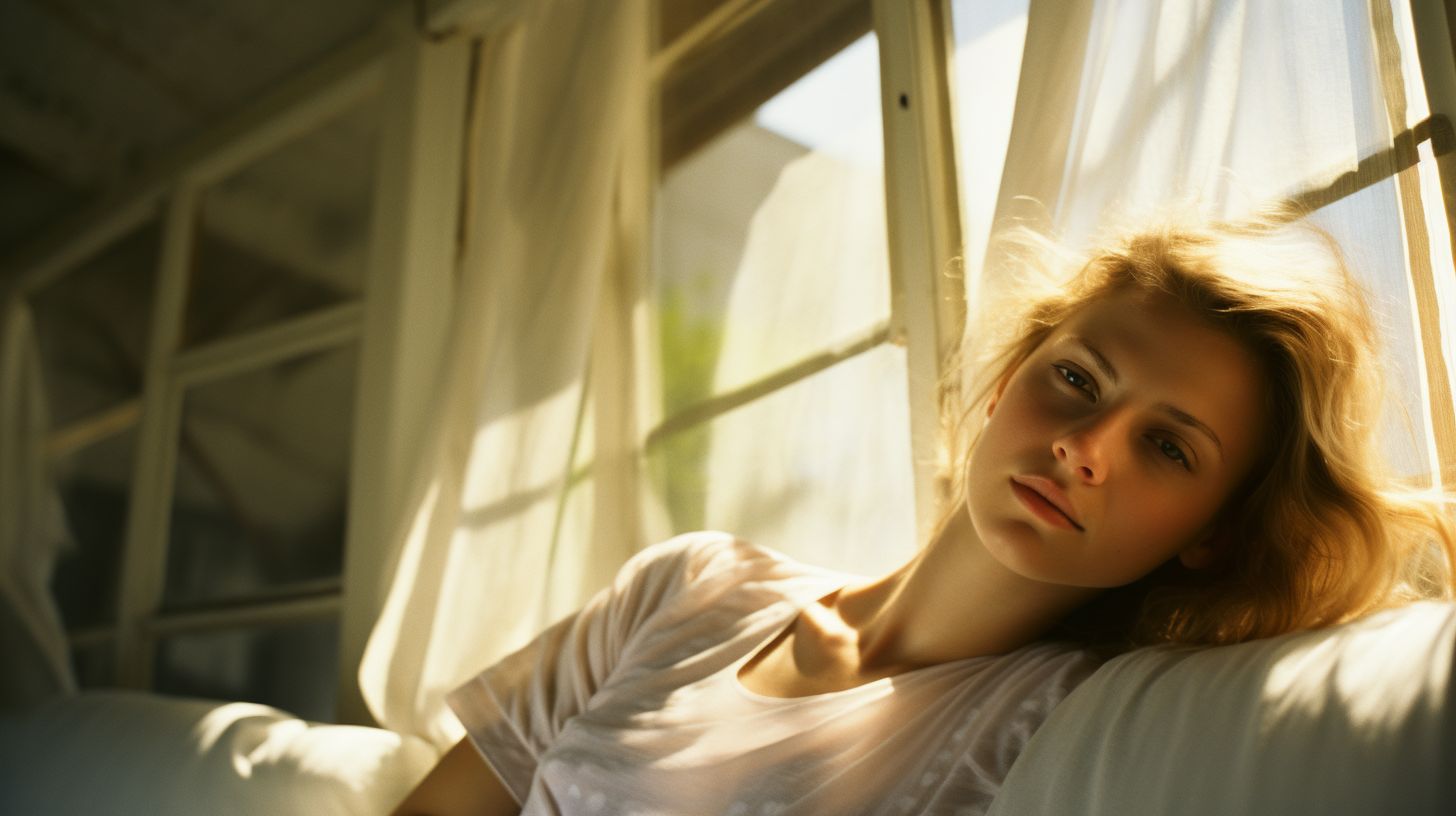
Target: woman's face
1111,449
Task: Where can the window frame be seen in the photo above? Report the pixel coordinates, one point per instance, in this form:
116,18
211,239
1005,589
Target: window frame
410,270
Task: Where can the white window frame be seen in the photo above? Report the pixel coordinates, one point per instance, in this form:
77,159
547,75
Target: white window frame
410,276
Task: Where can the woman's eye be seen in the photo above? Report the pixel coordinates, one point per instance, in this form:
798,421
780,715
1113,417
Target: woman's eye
1076,379
1172,452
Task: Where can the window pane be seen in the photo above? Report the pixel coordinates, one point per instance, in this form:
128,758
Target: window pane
293,667
95,489
92,326
770,248
287,234
772,237
262,480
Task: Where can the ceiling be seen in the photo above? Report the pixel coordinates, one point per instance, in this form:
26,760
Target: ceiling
92,91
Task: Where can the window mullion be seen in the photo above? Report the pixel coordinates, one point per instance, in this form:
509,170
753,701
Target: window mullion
922,210
715,406
322,329
247,614
144,553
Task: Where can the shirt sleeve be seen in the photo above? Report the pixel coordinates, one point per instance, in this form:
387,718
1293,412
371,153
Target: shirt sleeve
514,710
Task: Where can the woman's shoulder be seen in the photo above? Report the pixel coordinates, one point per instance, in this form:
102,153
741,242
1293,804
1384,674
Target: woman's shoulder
692,574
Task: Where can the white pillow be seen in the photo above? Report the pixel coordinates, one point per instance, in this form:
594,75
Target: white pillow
1354,719
130,752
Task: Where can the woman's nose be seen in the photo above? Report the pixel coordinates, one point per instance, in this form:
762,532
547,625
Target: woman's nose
1085,452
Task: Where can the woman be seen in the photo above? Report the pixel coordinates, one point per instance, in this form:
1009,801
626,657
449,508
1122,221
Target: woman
1176,445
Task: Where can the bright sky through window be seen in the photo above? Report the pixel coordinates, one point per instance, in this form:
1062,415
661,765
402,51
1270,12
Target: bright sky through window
834,108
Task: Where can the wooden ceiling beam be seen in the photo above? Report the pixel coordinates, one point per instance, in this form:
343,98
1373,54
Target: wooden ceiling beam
712,87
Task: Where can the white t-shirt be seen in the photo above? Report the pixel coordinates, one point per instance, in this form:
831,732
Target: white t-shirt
633,705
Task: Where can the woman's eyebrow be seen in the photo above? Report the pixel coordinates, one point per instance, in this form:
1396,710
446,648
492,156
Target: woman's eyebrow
1184,418
1179,415
1102,362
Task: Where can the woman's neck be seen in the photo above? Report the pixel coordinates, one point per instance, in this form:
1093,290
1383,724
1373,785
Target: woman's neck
952,601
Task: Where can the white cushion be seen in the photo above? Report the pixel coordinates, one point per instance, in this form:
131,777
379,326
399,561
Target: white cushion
129,752
1354,719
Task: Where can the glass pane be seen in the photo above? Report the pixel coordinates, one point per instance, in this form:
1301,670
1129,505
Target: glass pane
292,667
773,236
820,470
989,35
770,247
288,234
95,489
261,488
92,326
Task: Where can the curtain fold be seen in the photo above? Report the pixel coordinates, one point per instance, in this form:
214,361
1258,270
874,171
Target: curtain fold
32,525
1126,104
556,217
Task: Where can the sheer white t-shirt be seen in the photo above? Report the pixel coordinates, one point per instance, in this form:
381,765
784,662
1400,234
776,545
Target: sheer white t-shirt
633,705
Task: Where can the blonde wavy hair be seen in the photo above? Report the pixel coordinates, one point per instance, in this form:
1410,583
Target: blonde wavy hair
1322,530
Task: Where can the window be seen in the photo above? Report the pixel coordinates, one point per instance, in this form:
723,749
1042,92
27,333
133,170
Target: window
772,292
210,533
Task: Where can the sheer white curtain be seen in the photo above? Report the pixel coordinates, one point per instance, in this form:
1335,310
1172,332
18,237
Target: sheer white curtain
1126,104
498,536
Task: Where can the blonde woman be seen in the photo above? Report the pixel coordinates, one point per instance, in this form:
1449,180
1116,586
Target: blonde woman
1174,445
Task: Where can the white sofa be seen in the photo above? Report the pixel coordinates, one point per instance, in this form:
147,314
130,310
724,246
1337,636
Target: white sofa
1359,719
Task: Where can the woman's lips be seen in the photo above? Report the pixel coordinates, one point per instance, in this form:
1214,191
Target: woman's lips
1046,500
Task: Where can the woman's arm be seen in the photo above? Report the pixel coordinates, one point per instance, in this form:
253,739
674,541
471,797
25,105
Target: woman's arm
461,784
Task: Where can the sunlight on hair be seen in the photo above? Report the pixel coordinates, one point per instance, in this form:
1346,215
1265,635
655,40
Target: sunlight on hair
1325,528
